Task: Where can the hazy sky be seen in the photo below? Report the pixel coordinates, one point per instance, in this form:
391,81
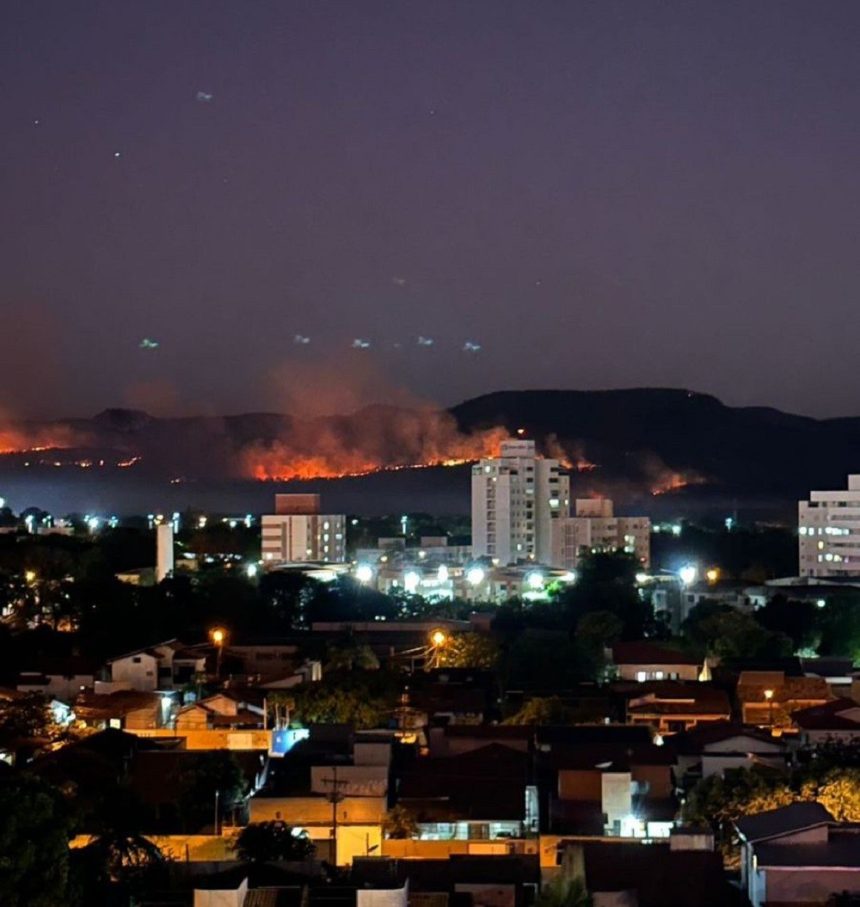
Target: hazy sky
599,194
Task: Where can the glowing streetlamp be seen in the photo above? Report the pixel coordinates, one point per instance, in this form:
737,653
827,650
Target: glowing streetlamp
218,635
438,638
475,576
534,580
768,695
712,575
411,581
364,573
688,574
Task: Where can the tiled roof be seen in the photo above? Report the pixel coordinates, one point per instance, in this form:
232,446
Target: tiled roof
787,819
644,652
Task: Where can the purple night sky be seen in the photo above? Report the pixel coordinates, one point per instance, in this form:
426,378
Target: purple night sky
600,194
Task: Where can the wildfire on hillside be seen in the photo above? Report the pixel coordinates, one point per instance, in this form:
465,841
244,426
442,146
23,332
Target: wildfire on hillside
15,440
414,441
675,481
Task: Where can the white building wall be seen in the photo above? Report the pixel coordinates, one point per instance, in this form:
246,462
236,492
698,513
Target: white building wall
829,532
291,538
163,551
516,498
139,671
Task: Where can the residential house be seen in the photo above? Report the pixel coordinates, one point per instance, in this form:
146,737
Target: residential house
644,660
126,710
798,855
768,698
58,678
607,789
834,721
670,706
710,749
483,794
225,710
333,776
497,880
685,871
166,666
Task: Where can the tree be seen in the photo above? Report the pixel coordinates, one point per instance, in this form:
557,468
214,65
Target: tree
330,702
796,619
270,842
607,582
469,650
726,633
34,843
27,718
543,710
206,774
599,629
838,791
399,823
351,655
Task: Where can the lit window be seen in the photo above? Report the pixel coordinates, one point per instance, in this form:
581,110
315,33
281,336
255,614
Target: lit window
641,676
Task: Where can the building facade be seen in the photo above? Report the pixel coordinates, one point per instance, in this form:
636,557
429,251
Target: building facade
829,532
595,528
297,532
517,498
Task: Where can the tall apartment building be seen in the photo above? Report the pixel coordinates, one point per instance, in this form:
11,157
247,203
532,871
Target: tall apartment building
516,499
297,531
829,532
595,528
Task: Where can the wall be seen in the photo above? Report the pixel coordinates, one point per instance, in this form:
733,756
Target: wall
808,886
579,784
139,671
352,780
384,897
213,740
317,810
684,672
235,898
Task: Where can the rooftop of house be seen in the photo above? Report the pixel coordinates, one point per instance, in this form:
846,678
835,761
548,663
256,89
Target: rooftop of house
698,739
753,684
837,715
660,876
487,783
675,697
842,849
113,705
650,653
442,875
774,823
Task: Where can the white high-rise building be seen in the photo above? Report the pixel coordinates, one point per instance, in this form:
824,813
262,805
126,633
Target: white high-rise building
163,551
595,528
828,527
297,531
516,499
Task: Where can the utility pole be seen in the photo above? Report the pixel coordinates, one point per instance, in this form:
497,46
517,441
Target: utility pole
334,796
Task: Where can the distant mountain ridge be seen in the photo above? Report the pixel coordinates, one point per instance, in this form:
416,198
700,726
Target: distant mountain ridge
629,443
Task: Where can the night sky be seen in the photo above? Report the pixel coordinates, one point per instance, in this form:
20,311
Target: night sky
599,194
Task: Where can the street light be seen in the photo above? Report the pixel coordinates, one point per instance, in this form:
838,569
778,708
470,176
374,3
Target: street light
768,695
475,576
712,575
364,573
411,581
535,580
438,638
688,574
218,635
